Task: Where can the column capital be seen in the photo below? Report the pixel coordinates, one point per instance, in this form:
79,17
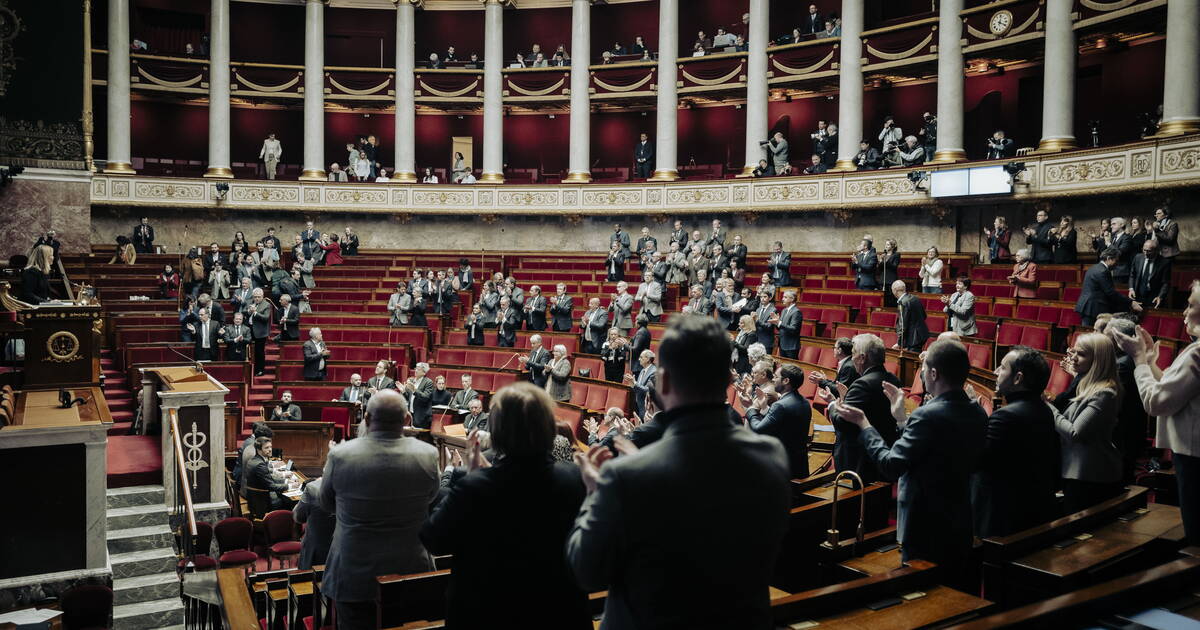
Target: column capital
416,3
503,3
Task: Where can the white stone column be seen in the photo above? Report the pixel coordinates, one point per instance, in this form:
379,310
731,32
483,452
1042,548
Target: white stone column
1181,99
950,84
756,85
666,163
218,92
850,85
493,92
119,160
406,106
579,159
313,167
1058,95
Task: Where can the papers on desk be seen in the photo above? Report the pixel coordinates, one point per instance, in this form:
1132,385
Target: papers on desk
825,428
449,409
293,494
29,616
740,304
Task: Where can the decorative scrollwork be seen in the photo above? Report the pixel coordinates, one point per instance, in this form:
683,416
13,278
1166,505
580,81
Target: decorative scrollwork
10,27
193,441
698,195
842,215
1180,160
878,188
38,143
1078,172
789,192
190,192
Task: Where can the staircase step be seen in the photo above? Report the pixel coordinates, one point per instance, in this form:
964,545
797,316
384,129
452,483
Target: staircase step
145,588
119,428
140,538
158,613
120,404
122,415
135,563
136,516
135,495
115,391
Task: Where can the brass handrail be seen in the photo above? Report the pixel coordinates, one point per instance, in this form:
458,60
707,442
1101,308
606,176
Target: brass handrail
181,473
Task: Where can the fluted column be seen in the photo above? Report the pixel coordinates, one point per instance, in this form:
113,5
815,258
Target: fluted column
850,85
493,92
666,165
950,84
1181,99
756,84
1058,95
579,160
406,106
314,91
218,92
118,89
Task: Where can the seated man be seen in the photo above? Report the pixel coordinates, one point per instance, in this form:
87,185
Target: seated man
355,391
285,410
260,477
816,168
475,418
464,396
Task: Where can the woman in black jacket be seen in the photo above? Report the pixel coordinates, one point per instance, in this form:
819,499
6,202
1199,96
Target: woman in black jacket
1063,239
615,354
889,261
35,278
511,517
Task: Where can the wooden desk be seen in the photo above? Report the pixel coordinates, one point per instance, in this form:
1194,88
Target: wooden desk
305,443
875,562
39,409
940,604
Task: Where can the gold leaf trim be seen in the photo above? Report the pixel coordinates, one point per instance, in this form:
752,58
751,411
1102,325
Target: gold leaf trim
1106,6
454,94
626,88
266,88
902,55
719,81
171,84
806,70
520,90
1016,31
365,92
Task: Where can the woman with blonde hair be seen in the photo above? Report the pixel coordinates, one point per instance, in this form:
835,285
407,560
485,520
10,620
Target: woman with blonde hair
747,333
1064,239
524,505
558,369
1171,396
1091,463
35,277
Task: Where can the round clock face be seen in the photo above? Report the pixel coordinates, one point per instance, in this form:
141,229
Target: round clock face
62,346
1000,23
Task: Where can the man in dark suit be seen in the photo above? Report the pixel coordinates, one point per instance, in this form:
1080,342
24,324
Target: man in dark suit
205,332
508,320
680,235
270,241
639,341
464,396
355,391
560,310
310,236
645,248
236,337
1123,243
911,330
843,352
643,157
535,309
622,237
780,265
716,237
594,325
1099,295
288,319
1038,237
788,320
442,294
475,418
419,390
143,237
1014,487
787,419
866,394
934,459
315,355
643,382
764,323
211,259
259,475
215,312
243,297
863,263
260,329
319,526
1149,276
703,479
536,361
246,451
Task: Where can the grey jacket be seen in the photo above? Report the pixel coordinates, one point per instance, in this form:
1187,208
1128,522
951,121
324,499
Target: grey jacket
558,385
1085,430
961,312
314,549
650,295
380,487
621,308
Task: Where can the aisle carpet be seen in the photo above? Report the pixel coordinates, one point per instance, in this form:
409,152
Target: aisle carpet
134,460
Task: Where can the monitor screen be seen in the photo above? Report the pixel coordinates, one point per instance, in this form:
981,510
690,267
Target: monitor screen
990,180
949,183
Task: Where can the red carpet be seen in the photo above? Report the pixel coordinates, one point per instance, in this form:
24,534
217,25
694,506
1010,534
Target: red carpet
134,460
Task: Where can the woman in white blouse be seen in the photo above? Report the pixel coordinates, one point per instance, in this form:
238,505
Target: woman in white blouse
429,178
1171,395
459,170
362,168
931,272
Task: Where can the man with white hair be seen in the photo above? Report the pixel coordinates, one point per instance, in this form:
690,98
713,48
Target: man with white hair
464,396
475,418
315,354
289,319
911,330
621,308
1123,243
536,361
260,329
379,486
867,394
419,389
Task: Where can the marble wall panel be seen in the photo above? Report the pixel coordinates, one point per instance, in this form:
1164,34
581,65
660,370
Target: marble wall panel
43,199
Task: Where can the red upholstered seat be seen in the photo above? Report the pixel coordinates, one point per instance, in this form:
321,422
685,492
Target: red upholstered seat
237,557
199,563
825,358
233,539
985,329
1035,337
597,398
280,543
809,354
1009,334
980,356
579,392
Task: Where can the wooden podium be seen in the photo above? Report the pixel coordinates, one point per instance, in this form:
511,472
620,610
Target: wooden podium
62,345
305,443
199,403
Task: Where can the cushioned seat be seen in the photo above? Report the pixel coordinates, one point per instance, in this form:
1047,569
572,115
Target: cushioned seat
237,557
199,563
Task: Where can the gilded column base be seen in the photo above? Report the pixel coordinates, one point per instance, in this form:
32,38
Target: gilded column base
404,177
119,168
1177,128
313,175
492,178
578,177
1054,145
219,172
667,175
747,171
844,166
948,156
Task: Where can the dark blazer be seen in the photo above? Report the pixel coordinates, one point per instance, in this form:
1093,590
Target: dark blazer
865,393
1014,487
260,319
289,323
318,534
35,286
1123,243
236,350
535,319
637,343
471,423
422,402
790,319
529,503
703,479
506,327
537,366
623,239
1156,284
812,23
891,270
259,476
933,459
1099,295
864,269
780,267
764,328
1041,245
998,245
312,362
214,350
787,420
560,313
911,325
1065,248
846,375
644,152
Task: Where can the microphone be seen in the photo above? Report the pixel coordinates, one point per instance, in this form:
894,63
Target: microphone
196,363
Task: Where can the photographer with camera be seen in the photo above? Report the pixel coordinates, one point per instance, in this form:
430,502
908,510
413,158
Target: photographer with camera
998,147
868,158
928,134
891,137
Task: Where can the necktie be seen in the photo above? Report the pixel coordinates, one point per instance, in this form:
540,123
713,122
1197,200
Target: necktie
353,394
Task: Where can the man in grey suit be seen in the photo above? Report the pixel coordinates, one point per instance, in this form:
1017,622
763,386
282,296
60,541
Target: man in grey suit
419,389
777,150
621,306
780,264
643,382
650,293
379,487
703,479
318,536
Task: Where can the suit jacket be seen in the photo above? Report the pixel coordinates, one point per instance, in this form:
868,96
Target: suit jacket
290,412
318,533
462,398
812,23
488,304
213,352
1099,295
724,306
621,309
241,300
780,267
695,264
558,382
595,326
864,269
537,366
1155,284
560,312
638,342
623,239
933,459
715,237
535,319
1025,284
314,361
790,319
1167,234
351,393
1123,243
530,503
289,322
678,268
259,475
865,393
961,312
787,420
1086,432
644,151
642,385
763,326
1018,471
143,237
646,245
998,245
846,375
681,237
236,350
703,479
1042,247
379,486
422,403
910,325
507,323
260,319
470,422
399,305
